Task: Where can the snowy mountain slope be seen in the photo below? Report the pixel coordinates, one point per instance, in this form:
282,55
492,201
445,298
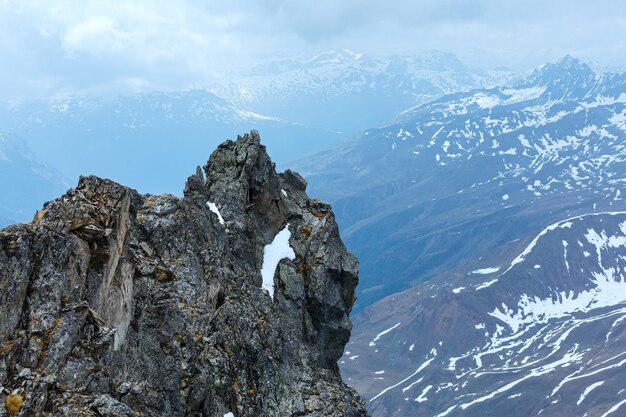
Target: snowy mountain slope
146,140
27,182
349,91
533,328
454,177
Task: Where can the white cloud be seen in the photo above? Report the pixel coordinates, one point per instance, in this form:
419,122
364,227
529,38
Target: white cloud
73,45
95,35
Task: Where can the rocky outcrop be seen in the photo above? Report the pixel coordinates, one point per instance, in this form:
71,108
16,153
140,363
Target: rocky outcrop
114,303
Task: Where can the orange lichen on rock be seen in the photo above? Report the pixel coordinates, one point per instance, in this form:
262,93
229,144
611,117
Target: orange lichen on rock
14,404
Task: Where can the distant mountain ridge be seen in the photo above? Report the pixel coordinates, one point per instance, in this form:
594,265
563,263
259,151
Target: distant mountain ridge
125,137
349,91
453,177
300,105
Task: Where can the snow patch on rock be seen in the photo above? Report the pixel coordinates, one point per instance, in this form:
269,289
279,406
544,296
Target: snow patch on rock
273,253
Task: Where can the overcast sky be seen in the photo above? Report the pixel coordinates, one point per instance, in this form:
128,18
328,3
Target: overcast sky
58,47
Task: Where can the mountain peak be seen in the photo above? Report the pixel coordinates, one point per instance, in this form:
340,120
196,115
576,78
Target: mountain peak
568,73
335,56
571,64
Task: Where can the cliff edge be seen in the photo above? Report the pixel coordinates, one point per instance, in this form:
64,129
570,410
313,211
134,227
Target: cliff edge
233,299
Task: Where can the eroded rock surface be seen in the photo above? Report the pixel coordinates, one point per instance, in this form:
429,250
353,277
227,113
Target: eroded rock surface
119,304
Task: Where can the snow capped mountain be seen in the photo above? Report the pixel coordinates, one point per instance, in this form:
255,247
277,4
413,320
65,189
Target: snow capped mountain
452,178
530,329
341,56
28,182
349,91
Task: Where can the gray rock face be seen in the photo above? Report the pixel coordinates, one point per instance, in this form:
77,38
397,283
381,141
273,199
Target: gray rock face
118,304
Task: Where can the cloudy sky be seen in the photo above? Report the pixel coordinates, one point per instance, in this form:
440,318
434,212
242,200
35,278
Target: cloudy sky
60,47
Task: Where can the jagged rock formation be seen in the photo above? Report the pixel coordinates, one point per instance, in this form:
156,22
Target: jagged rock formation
118,304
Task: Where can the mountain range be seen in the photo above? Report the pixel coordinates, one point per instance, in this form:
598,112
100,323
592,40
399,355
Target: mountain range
300,105
486,210
452,178
347,91
139,139
148,140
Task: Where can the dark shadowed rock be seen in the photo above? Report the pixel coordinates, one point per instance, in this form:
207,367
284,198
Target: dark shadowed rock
119,304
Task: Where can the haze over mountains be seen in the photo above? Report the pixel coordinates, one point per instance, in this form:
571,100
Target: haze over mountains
149,140
132,138
348,91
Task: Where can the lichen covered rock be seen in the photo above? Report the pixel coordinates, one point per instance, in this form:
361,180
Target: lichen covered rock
119,304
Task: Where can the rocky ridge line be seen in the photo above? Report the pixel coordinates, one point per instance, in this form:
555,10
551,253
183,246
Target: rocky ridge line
119,304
